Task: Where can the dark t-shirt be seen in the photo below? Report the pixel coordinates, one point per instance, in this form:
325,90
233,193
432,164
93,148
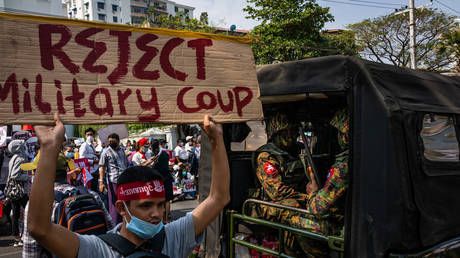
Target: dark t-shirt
162,166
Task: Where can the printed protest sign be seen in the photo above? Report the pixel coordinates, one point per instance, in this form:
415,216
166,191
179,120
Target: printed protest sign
93,72
119,129
84,164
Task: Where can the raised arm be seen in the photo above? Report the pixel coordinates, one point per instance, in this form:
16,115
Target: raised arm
56,239
219,195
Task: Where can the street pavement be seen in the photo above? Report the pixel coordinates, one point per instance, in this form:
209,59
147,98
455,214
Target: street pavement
178,209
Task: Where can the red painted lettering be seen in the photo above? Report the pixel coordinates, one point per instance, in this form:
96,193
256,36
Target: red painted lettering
166,64
181,104
44,107
48,50
199,45
229,106
148,105
150,53
99,48
108,102
202,104
59,97
123,56
241,103
27,103
11,83
77,95
122,96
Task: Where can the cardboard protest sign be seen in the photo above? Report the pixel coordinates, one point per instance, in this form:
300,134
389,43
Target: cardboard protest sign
119,129
94,72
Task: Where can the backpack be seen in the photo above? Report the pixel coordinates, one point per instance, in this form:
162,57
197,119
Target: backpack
130,250
80,212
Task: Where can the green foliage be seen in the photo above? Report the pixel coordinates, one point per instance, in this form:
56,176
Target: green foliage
342,43
291,30
450,44
386,39
179,22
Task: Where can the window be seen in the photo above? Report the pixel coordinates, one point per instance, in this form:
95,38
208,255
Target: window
176,9
101,17
114,8
115,19
100,5
186,11
439,138
87,17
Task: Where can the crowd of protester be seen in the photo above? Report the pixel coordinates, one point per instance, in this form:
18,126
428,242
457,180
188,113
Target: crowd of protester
92,165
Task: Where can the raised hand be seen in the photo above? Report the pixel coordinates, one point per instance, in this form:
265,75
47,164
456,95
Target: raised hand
51,136
212,130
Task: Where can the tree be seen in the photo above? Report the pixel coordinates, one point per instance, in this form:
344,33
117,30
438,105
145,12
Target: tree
386,39
177,22
290,30
450,44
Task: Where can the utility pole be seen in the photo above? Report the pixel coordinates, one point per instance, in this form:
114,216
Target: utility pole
411,10
413,61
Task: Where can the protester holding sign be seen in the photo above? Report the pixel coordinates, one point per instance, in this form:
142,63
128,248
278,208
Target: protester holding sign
113,162
141,203
61,187
88,152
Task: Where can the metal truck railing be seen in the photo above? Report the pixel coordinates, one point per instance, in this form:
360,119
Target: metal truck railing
335,243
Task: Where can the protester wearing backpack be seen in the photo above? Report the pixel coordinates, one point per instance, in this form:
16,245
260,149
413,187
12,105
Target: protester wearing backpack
74,208
17,186
140,202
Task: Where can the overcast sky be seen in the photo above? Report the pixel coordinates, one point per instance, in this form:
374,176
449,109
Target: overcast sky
224,13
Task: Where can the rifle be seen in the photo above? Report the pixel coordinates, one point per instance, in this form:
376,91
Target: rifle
309,158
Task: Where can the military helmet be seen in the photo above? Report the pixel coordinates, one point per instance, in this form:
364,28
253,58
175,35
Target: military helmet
341,122
277,123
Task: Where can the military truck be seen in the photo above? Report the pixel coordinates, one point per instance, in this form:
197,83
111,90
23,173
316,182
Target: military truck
403,198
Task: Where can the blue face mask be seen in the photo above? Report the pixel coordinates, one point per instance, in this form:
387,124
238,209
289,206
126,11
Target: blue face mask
141,228
184,173
69,155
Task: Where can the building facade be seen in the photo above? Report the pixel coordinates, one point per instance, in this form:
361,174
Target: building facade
111,11
123,11
140,9
35,7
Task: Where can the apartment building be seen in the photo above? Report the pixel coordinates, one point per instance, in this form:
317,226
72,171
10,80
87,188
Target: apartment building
35,7
139,9
111,11
122,11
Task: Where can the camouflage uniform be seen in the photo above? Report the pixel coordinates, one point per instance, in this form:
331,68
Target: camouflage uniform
270,172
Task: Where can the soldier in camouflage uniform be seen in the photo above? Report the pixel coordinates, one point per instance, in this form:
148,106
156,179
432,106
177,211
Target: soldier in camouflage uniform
319,202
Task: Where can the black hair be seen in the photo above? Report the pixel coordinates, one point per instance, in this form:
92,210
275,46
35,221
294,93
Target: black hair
89,129
155,144
162,141
114,136
138,173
